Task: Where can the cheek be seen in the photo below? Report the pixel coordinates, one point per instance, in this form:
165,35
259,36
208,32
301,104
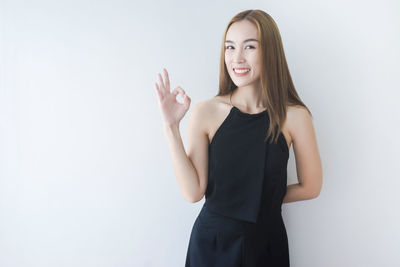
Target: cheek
256,60
256,66
227,61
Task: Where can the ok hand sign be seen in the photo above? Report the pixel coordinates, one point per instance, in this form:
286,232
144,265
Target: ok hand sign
172,110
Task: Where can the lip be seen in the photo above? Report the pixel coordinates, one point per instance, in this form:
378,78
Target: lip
240,69
241,74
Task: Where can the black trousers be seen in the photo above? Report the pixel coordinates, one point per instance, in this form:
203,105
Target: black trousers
219,241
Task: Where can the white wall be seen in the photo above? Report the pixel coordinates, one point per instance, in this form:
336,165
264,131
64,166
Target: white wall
86,177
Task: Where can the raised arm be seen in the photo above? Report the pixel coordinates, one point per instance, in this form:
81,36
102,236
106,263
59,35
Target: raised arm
190,169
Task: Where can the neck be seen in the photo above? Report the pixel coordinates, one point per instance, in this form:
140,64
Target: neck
247,97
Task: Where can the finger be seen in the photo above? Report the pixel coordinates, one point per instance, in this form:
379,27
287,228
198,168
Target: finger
175,91
180,90
160,80
158,91
187,100
166,78
186,97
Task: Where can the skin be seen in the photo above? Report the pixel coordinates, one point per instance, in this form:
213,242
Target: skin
191,166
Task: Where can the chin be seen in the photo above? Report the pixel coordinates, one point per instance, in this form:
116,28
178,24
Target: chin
242,84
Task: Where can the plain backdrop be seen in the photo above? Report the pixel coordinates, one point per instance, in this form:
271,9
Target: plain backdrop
86,177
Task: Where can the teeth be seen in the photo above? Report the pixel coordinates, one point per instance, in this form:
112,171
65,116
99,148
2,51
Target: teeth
241,71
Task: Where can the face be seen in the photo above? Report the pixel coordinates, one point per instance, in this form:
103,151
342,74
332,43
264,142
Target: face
242,52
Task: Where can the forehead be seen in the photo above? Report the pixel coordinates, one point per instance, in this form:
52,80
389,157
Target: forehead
241,30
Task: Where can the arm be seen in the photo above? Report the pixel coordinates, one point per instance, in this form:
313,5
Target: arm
191,168
308,161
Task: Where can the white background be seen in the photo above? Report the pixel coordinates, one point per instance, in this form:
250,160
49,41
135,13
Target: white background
86,177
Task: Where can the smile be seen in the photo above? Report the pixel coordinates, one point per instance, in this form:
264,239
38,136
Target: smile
241,70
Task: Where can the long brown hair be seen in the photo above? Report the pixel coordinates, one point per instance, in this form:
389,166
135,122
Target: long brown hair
277,89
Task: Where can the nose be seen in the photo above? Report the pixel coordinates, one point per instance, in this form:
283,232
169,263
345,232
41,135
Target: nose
238,56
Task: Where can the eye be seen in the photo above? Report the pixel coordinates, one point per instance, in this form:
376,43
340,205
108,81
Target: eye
227,47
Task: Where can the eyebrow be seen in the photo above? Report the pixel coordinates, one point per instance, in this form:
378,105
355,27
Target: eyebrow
247,40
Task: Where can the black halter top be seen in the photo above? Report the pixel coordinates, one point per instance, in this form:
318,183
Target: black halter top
247,177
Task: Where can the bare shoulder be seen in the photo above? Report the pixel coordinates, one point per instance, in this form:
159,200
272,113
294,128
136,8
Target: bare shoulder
298,120
210,113
205,105
198,114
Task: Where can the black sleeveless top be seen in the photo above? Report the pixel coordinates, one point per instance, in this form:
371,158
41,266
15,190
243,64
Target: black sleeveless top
246,176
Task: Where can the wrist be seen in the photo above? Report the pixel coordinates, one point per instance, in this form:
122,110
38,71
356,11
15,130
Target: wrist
170,128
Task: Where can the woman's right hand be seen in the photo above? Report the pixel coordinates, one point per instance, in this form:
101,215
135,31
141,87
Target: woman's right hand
172,110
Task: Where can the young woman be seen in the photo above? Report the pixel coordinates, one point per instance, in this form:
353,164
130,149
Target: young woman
238,148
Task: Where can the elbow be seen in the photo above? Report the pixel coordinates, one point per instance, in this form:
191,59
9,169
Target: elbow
191,199
198,199
194,198
315,193
310,193
313,190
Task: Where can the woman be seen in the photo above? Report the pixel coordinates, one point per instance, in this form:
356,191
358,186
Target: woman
238,148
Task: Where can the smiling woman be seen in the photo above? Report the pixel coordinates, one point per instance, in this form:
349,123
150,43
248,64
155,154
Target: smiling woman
238,150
